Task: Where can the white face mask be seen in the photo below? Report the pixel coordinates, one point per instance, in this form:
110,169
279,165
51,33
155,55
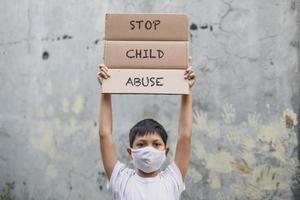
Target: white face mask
148,159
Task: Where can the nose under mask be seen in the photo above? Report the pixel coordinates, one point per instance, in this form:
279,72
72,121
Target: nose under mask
148,159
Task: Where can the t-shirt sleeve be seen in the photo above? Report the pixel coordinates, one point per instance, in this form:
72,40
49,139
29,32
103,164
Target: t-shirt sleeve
119,177
173,175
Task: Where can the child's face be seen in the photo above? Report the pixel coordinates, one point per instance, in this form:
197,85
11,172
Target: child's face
154,140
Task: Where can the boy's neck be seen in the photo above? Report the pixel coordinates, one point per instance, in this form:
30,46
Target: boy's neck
147,175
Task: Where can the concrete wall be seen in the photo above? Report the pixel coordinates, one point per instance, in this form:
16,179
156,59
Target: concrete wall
246,98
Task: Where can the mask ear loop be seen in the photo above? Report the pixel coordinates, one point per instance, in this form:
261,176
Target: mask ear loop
167,150
129,151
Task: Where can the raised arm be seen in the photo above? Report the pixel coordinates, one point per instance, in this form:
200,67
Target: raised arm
108,152
182,155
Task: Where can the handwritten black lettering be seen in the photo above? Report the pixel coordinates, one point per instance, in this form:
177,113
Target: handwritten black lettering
144,81
148,25
132,24
145,53
127,53
129,81
137,81
144,24
151,55
138,53
152,80
160,53
156,23
139,22
158,83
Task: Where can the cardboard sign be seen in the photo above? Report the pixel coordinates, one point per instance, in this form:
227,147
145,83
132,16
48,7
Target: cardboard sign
146,54
133,81
164,27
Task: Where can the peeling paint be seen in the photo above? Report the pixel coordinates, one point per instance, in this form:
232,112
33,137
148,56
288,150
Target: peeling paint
289,118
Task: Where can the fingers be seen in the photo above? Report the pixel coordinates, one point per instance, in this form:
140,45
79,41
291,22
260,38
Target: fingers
190,68
100,79
191,83
189,73
103,71
190,76
102,74
102,67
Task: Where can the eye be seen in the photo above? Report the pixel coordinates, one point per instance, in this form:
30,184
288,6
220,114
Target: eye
139,144
157,144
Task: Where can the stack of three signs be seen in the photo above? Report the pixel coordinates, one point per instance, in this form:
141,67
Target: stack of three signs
146,53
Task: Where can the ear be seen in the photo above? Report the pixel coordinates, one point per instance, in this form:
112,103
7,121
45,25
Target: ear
167,150
129,151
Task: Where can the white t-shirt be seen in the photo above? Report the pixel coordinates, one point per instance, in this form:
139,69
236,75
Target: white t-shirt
126,184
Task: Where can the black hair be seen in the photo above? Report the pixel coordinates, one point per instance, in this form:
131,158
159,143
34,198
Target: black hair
147,126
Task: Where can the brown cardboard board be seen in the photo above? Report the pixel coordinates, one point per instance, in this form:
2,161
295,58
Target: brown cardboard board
126,26
129,81
146,54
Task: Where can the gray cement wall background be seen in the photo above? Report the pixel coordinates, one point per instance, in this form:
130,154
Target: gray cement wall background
245,108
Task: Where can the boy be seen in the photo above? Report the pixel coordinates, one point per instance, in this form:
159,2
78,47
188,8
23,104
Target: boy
148,150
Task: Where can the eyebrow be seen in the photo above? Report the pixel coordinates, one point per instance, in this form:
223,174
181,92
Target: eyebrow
143,140
157,140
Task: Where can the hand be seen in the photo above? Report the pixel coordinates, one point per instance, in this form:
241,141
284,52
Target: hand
103,73
190,76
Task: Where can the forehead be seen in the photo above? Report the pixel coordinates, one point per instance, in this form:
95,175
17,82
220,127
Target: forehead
148,137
